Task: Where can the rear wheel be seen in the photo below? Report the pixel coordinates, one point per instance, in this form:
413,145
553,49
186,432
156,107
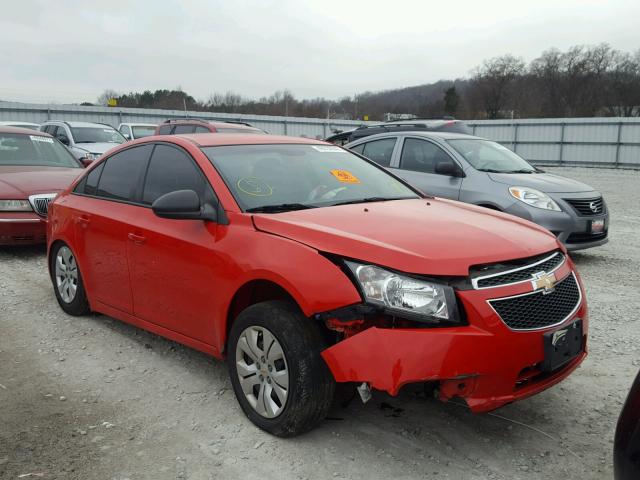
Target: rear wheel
67,281
277,373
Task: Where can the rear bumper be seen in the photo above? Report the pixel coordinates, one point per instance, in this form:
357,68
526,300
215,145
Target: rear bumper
22,229
485,363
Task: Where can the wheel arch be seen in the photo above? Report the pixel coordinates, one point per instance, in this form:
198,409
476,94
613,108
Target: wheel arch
251,292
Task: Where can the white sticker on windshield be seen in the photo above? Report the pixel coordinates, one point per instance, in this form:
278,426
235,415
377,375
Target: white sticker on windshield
41,138
328,149
107,130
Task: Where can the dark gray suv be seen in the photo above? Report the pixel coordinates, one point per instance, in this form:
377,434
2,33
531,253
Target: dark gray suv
482,172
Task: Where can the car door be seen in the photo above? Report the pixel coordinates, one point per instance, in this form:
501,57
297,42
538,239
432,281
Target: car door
417,165
166,255
102,226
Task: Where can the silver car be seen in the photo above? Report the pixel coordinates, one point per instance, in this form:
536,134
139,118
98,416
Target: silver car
482,172
85,140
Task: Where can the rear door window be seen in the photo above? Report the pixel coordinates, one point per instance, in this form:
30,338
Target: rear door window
171,169
200,129
422,156
122,174
380,151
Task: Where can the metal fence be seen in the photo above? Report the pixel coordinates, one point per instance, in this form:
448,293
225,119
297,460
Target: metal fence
296,126
597,142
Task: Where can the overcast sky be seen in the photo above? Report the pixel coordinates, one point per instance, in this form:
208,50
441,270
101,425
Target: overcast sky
68,51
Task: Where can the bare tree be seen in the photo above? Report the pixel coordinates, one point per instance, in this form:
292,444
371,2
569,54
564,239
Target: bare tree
493,81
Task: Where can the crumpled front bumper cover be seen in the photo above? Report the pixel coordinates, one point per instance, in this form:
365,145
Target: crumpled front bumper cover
483,368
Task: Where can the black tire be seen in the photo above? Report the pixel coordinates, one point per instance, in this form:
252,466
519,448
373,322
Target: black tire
79,305
311,384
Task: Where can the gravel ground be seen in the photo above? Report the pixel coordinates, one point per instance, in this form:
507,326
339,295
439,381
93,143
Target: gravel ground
92,398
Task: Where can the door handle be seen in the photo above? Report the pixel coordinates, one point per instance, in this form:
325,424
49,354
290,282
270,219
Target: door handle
83,220
137,239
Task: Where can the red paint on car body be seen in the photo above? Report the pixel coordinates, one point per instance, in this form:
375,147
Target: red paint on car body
126,254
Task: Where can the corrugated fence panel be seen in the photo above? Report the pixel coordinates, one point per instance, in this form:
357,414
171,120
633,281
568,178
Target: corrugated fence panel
602,142
630,155
538,133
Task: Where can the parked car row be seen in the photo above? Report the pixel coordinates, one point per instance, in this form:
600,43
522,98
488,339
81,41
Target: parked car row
491,304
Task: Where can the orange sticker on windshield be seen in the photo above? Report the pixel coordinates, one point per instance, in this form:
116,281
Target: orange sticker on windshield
344,176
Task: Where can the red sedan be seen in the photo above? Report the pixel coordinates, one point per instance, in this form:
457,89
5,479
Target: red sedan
34,167
305,265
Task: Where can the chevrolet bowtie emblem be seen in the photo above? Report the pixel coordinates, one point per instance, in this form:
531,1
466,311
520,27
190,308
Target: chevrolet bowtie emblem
545,281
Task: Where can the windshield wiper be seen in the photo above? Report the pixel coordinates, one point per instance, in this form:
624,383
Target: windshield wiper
282,207
370,199
522,170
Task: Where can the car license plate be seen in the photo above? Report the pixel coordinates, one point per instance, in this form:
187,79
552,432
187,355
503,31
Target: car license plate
597,226
561,346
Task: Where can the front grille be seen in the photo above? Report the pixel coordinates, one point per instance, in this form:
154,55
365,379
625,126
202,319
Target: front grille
587,206
537,309
40,203
520,274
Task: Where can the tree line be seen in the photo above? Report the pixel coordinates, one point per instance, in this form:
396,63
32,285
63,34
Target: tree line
583,81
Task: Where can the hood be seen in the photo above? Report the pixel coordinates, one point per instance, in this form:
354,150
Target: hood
545,182
17,182
429,237
95,147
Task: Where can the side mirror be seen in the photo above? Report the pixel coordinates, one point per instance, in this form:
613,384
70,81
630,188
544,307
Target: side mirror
447,168
63,139
126,135
183,205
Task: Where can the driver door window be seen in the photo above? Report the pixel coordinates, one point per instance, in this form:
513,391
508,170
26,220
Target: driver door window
422,156
169,170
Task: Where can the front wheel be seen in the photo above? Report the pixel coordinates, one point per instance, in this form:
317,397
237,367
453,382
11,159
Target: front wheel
67,281
277,373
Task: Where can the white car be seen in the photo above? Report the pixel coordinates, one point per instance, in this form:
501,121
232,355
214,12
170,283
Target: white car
10,123
133,131
84,139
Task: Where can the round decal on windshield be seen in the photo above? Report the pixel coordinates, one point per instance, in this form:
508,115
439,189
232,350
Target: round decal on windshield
254,186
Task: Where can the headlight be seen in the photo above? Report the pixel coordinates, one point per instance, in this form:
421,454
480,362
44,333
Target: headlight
534,197
404,295
15,206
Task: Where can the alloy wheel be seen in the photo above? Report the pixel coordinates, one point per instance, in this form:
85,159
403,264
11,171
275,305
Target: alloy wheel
262,370
66,272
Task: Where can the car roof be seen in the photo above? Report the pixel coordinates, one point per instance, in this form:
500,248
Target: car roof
23,131
215,123
15,124
417,133
217,139
79,124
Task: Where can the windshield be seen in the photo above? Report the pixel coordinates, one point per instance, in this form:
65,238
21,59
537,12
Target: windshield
488,156
96,135
301,176
34,150
143,131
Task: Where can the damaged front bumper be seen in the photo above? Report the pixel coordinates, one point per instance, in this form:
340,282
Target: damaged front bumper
485,362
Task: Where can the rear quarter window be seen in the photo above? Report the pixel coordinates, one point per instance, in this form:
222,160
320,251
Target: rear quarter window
165,130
